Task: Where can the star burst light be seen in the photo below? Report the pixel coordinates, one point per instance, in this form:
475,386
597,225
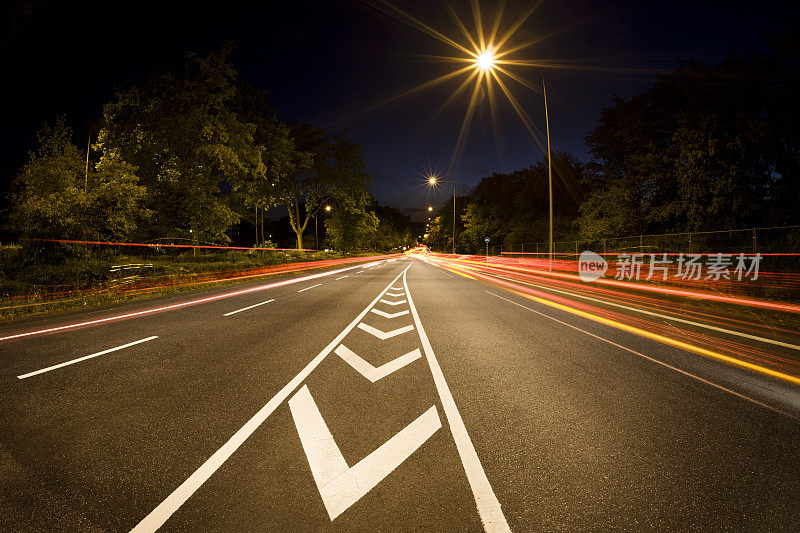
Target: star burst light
486,60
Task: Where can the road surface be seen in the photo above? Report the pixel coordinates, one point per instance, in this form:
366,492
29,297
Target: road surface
397,397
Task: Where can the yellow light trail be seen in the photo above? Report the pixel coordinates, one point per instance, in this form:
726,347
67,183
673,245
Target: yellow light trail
519,291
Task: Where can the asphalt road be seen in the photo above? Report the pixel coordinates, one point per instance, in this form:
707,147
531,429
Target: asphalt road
457,407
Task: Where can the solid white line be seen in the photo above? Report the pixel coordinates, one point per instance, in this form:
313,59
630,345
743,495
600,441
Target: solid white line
84,358
659,315
178,497
249,307
488,506
651,359
370,372
311,287
341,277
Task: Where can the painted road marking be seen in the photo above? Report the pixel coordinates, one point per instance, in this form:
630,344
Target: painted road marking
383,335
370,372
311,287
389,315
488,505
393,303
339,485
341,277
398,288
248,307
178,497
84,358
393,295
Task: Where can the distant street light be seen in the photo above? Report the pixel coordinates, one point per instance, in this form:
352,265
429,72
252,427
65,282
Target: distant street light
316,227
430,208
432,181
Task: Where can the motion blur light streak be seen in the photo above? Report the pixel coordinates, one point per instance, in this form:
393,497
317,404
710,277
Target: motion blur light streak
671,367
158,245
566,268
179,305
752,357
150,284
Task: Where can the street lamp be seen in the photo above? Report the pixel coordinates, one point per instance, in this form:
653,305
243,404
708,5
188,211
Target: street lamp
430,208
316,226
432,181
549,171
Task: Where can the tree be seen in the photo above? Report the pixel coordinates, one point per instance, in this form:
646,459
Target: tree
512,209
352,226
322,169
394,228
272,139
704,148
57,197
180,129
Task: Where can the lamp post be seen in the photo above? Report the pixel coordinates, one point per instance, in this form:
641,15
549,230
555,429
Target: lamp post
316,226
549,171
432,181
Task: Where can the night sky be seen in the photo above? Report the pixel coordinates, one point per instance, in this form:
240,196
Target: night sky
328,63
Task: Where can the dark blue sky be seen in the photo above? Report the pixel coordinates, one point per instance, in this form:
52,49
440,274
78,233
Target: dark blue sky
326,62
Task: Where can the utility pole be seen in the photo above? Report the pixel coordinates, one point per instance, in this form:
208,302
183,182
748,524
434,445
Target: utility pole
86,176
549,170
454,220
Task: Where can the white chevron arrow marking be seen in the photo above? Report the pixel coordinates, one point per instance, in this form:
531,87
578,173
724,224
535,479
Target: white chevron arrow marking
398,302
397,288
393,295
370,372
383,335
389,315
339,485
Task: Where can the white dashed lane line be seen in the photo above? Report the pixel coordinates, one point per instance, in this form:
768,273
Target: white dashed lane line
84,358
311,287
249,307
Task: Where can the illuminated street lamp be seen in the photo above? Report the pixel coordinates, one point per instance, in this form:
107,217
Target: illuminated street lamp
316,226
549,171
432,181
430,208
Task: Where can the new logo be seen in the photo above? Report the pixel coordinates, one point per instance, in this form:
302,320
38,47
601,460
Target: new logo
591,266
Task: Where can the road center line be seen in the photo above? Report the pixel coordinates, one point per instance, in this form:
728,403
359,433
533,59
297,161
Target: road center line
249,307
178,497
488,506
651,359
311,287
84,358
